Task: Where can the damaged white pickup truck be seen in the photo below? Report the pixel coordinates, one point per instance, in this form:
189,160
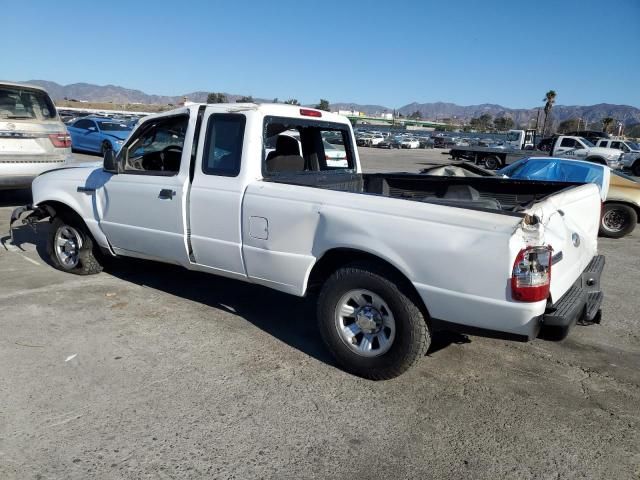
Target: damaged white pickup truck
249,192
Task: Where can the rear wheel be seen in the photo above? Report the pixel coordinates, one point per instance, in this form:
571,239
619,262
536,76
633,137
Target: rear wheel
617,220
492,163
71,248
636,169
370,324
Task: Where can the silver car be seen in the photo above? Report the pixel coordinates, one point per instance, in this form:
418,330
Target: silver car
33,139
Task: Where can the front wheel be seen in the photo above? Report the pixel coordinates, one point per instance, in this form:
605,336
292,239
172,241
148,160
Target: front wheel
636,169
370,324
71,248
617,220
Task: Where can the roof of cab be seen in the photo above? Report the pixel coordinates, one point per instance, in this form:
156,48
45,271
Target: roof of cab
276,109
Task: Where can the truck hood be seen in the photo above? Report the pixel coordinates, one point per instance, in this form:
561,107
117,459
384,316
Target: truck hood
84,174
120,135
605,152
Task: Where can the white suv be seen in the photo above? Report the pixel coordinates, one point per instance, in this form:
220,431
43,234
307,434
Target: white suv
33,139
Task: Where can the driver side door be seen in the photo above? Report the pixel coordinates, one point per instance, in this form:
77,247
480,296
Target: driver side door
142,206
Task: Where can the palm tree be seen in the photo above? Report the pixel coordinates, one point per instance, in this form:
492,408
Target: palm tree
606,123
550,99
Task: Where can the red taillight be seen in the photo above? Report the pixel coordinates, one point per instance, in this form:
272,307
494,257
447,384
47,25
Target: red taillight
531,276
310,113
60,140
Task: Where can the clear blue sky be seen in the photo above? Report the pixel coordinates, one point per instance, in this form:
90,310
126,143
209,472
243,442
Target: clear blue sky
389,53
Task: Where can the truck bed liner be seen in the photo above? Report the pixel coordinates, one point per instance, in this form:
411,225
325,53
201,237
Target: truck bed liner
493,193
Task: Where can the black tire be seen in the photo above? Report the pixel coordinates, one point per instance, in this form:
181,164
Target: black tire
106,145
88,253
636,168
412,336
492,163
617,220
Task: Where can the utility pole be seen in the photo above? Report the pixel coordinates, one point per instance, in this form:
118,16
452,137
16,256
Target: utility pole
538,121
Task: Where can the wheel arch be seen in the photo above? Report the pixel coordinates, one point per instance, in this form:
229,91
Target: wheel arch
60,207
596,159
636,207
337,257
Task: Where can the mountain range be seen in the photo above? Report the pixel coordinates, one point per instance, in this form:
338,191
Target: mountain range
628,115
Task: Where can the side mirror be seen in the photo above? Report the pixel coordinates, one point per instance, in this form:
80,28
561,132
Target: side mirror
91,129
110,163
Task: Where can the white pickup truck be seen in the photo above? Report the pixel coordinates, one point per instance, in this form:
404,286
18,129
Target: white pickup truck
518,144
393,256
631,153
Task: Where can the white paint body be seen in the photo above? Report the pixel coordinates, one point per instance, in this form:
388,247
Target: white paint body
581,151
270,233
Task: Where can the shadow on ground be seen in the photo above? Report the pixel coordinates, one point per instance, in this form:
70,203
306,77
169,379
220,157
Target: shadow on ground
289,319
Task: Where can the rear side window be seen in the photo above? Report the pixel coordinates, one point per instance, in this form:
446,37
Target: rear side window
295,145
25,104
223,144
568,142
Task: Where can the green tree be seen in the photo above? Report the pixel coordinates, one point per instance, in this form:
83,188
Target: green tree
245,99
482,123
275,100
606,123
633,131
503,123
568,125
415,115
292,101
549,99
323,105
216,98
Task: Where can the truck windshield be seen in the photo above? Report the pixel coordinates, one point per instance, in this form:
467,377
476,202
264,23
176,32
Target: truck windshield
114,127
513,136
587,142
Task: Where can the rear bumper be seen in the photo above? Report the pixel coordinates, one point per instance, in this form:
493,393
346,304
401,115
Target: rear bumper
581,303
20,173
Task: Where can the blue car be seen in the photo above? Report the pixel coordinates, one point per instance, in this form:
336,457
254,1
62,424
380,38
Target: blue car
96,134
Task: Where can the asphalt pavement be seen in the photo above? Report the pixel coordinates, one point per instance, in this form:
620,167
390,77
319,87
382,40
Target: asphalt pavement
152,371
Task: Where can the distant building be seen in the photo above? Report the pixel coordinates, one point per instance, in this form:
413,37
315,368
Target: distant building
350,113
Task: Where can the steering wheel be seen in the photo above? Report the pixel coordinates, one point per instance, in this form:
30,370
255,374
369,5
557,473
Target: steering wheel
165,151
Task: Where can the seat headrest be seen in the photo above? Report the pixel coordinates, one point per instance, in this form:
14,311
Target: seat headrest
286,145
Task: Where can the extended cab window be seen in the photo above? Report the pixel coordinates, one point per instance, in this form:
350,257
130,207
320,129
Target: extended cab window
223,147
297,145
569,142
157,148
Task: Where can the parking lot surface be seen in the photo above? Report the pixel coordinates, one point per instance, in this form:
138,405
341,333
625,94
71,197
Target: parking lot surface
152,371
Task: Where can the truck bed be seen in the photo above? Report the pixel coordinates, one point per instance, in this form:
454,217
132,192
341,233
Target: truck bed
477,193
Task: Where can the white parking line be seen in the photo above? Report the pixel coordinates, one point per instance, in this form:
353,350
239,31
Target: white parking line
30,260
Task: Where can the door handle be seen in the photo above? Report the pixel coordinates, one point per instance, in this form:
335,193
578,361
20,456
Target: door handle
167,193
86,190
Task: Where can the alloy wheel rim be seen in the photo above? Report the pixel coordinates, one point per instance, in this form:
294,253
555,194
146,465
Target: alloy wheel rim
365,323
67,244
615,220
